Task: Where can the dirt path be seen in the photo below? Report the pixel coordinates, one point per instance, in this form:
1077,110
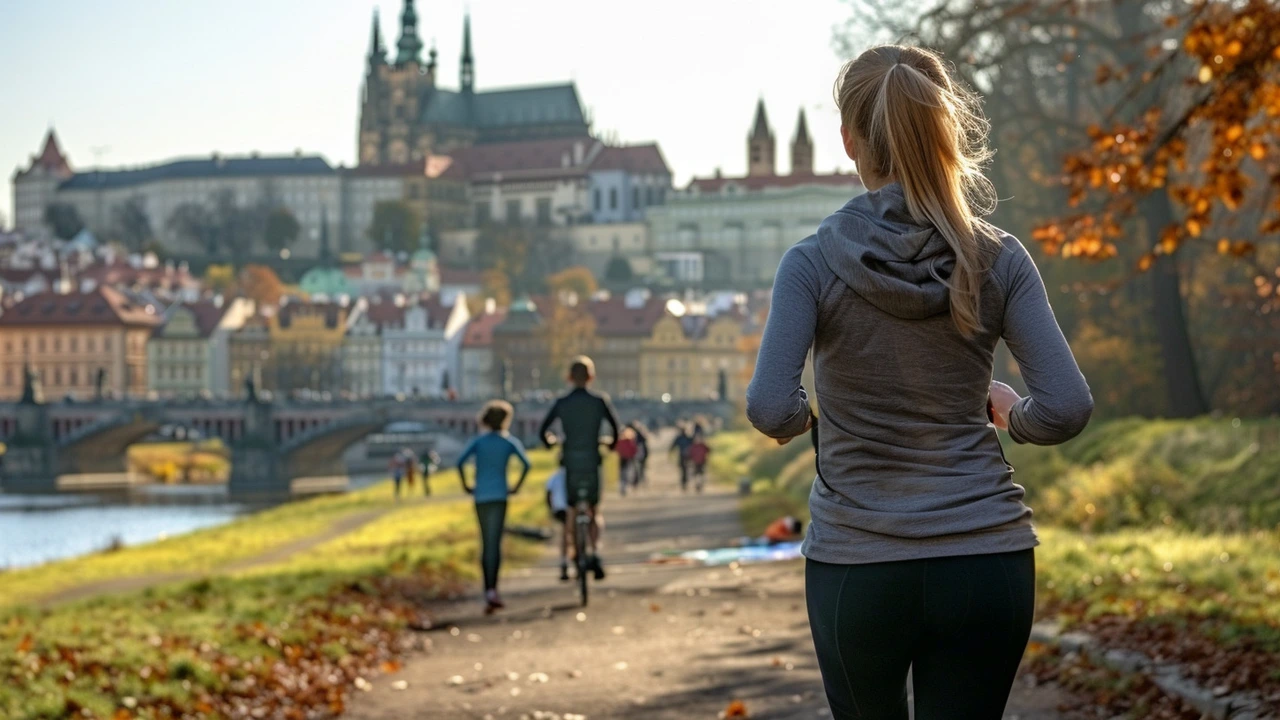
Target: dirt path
658,641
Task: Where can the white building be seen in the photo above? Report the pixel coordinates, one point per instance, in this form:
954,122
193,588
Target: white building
479,378
731,232
420,343
36,186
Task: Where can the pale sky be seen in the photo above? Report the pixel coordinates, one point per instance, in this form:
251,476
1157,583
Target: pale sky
132,82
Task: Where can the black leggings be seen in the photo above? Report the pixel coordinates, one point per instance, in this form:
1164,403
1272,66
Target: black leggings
492,516
959,624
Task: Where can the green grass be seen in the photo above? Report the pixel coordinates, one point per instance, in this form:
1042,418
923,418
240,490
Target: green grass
225,644
1204,475
1166,522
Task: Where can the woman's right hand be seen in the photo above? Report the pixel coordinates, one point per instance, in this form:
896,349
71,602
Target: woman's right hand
1002,400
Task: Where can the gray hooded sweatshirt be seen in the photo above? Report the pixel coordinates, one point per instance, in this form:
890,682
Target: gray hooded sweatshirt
909,466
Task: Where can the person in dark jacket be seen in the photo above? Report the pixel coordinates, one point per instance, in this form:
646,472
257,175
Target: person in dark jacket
582,413
920,549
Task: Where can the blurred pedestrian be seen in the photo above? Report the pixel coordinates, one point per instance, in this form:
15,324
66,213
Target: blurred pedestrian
492,453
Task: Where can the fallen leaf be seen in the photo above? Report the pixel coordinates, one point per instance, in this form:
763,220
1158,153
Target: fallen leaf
736,709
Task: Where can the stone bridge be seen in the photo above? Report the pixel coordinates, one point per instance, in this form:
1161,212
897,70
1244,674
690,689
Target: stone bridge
273,444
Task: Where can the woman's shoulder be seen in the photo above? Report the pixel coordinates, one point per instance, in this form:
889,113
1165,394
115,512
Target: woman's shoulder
1011,257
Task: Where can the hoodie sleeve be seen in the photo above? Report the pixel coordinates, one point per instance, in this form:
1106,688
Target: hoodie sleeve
776,403
1059,404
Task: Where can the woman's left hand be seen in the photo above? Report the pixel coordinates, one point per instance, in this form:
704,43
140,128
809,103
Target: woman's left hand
808,425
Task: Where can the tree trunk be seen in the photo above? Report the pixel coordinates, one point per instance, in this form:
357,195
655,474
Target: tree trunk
1181,374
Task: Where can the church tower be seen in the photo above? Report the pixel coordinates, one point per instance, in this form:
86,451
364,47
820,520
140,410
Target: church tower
761,150
802,149
467,76
372,101
410,45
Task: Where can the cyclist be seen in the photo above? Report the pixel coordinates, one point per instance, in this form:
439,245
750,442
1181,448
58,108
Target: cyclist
581,412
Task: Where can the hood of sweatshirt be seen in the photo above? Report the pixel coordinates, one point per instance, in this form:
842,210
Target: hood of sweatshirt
892,262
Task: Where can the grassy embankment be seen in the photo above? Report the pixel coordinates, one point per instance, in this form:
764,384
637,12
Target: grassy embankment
286,638
1156,534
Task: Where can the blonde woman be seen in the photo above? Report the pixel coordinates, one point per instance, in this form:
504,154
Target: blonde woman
919,553
492,453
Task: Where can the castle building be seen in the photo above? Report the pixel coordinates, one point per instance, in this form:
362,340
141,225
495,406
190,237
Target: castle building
34,187
406,116
726,232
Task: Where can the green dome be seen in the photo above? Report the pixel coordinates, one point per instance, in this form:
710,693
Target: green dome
329,281
424,255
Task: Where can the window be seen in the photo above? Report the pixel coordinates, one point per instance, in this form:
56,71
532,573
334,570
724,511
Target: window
648,195
57,376
75,344
106,344
482,213
8,377
635,198
596,199
613,198
513,212
544,211
75,377
40,344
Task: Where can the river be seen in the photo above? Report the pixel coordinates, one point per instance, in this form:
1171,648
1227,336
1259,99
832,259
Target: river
38,529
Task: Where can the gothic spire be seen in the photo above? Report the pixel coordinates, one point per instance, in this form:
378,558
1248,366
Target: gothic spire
468,79
761,127
802,129
377,51
410,45
802,148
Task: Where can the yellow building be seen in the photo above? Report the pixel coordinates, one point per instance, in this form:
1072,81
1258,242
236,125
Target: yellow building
68,339
689,357
305,347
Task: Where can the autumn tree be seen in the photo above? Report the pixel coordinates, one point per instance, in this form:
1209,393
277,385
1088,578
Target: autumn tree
618,270
568,327
261,284
64,219
526,254
1085,85
396,226
221,227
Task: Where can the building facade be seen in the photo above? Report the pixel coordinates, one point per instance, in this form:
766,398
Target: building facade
35,187
362,352
622,325
731,232
690,357
250,358
520,350
420,346
478,369
70,339
306,346
189,355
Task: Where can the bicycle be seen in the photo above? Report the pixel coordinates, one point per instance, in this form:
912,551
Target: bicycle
581,538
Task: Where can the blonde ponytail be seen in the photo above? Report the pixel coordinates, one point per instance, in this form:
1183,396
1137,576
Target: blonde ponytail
919,128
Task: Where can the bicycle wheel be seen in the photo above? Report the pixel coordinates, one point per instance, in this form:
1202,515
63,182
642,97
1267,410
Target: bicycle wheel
580,545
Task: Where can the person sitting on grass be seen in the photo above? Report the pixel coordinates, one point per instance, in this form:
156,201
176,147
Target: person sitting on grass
492,452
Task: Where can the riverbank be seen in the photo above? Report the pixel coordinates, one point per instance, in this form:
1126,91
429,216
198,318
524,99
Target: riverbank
1158,536
262,627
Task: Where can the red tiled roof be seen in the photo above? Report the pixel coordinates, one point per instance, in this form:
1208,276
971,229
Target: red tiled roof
51,156
632,158
614,319
102,306
519,159
385,312
459,276
121,273
761,182
16,275
479,332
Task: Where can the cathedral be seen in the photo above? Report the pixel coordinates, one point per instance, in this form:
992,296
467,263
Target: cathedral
406,117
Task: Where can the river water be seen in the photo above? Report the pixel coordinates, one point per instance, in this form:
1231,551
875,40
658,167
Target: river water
38,529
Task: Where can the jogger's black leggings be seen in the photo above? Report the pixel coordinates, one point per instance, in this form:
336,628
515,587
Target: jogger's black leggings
492,516
959,624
